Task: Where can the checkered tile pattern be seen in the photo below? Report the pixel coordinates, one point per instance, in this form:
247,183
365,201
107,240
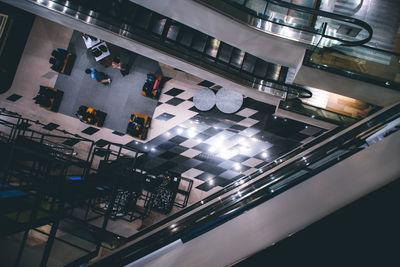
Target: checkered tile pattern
219,148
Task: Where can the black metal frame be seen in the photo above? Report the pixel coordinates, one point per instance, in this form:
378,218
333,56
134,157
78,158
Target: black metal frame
37,165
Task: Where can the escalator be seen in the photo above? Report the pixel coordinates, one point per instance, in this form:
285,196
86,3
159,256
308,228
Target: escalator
341,44
129,20
300,20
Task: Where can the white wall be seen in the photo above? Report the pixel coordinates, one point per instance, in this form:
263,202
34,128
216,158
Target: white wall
292,210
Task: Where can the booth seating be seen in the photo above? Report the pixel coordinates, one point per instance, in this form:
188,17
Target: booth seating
138,125
49,98
152,86
91,116
62,61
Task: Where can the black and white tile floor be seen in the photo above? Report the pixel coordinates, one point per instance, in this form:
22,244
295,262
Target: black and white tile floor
211,147
219,148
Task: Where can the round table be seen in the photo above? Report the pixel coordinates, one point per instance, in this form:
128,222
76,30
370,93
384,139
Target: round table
228,101
204,99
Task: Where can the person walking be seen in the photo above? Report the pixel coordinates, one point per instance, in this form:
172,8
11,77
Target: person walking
98,76
117,64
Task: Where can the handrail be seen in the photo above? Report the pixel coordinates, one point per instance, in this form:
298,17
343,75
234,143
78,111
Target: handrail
250,21
271,183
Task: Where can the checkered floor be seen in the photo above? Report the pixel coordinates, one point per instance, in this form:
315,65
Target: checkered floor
219,148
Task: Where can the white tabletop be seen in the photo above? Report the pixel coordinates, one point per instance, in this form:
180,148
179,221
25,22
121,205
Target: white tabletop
104,54
204,99
89,42
228,101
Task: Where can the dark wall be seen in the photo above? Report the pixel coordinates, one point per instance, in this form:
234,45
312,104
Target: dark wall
364,233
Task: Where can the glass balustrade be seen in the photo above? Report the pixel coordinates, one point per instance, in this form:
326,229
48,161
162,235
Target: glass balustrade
298,20
362,63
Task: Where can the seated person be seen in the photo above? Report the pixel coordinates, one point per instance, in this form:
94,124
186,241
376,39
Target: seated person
136,125
86,114
149,85
57,65
59,54
44,97
58,58
43,100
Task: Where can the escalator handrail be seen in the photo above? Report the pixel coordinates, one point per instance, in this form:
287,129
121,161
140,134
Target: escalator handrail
314,12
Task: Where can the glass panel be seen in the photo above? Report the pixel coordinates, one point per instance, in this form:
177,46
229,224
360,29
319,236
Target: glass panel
237,57
186,37
273,71
212,47
199,41
158,25
256,5
276,13
173,31
371,63
225,52
239,2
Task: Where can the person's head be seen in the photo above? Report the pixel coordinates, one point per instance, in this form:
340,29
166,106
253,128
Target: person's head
116,60
88,71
